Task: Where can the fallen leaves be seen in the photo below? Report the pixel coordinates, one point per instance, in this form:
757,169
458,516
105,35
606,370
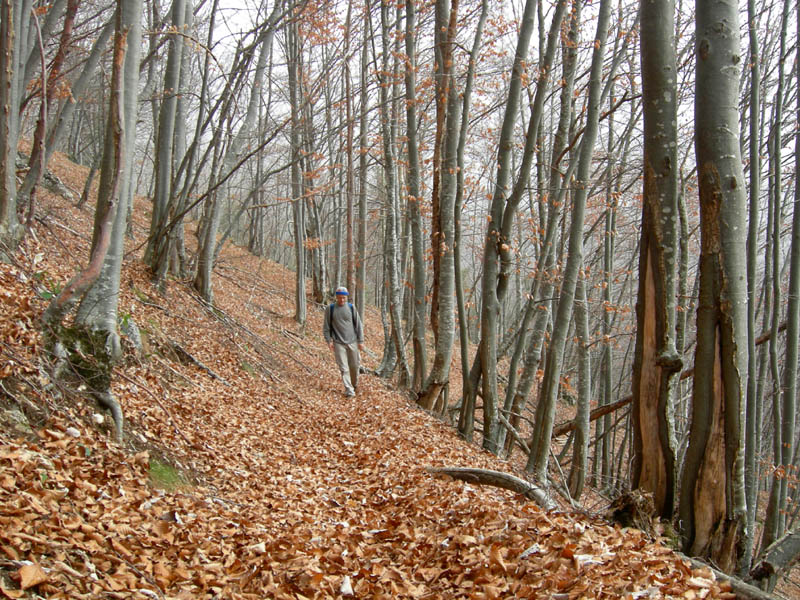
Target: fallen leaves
31,575
296,492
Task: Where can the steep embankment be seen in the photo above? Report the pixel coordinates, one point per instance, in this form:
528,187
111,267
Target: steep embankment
245,473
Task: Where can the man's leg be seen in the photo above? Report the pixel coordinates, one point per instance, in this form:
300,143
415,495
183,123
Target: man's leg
354,361
340,351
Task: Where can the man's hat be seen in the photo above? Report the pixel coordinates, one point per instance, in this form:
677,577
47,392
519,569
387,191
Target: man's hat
342,291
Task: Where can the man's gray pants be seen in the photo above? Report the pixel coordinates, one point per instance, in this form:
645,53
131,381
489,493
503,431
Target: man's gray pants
348,360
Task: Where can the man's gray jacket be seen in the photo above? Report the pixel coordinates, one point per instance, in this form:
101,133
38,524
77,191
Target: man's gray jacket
343,324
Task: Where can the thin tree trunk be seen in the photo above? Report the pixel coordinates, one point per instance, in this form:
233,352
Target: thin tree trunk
752,426
543,425
420,306
158,246
361,260
580,454
497,251
298,206
9,224
467,414
389,187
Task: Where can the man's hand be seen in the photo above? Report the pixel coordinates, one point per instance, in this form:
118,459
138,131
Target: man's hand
361,346
330,344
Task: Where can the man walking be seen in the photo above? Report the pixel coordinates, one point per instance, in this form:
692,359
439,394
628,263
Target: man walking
345,336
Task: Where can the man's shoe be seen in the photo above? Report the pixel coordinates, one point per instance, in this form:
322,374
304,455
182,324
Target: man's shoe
349,394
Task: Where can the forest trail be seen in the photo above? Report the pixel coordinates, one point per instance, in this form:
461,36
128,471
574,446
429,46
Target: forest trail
291,490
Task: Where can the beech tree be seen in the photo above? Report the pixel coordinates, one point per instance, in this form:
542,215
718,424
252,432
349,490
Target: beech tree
101,356
496,259
98,310
543,426
712,503
9,126
657,361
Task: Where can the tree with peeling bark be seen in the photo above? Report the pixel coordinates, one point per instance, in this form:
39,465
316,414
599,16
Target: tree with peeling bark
712,499
657,362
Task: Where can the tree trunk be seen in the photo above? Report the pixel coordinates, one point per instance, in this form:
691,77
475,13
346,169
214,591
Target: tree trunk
99,307
497,251
539,303
712,507
580,454
420,305
363,174
389,190
657,362
234,154
107,204
158,245
440,372
543,425
467,414
753,425
10,18
36,160
298,206
775,520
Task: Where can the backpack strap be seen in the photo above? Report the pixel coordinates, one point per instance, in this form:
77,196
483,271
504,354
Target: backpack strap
329,317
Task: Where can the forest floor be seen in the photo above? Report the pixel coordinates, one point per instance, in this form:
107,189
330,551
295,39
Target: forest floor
246,473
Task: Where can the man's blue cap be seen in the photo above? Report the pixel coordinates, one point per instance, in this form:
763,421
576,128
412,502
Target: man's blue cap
342,291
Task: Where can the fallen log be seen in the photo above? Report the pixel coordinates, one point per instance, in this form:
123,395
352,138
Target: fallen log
779,556
497,479
743,591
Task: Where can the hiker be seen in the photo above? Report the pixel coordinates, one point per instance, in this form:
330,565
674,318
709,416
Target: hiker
345,336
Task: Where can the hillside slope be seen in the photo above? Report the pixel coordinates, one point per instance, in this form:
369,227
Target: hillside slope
245,473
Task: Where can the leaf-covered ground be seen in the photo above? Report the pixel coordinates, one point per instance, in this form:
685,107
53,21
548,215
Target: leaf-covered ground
245,472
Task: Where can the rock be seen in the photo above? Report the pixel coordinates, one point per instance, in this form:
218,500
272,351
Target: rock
14,420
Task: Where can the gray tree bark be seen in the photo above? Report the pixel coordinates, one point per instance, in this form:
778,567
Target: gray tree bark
539,303
232,159
158,244
298,206
657,362
545,413
420,305
753,424
438,380
98,309
712,504
497,251
389,190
